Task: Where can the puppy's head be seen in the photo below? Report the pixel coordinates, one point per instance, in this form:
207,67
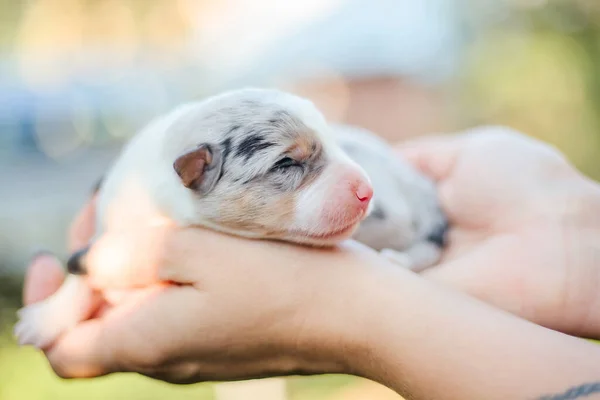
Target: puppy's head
264,163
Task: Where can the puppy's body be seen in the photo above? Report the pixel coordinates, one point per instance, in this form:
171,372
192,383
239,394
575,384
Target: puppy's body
259,164
406,222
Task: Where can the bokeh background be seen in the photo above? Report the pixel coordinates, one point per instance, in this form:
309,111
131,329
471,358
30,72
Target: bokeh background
78,77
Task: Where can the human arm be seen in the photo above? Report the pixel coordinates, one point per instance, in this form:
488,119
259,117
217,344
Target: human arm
339,311
521,270
433,343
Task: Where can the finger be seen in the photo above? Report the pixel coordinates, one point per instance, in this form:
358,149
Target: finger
434,155
112,343
81,353
44,276
82,228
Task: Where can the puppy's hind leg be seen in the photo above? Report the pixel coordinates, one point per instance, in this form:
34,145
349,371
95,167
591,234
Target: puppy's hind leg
40,324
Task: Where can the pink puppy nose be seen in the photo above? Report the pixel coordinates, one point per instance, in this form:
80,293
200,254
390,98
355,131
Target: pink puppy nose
364,192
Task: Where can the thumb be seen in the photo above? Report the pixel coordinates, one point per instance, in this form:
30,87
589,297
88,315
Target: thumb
434,155
84,352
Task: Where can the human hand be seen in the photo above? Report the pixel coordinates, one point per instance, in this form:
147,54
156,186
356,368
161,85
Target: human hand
525,226
271,309
234,315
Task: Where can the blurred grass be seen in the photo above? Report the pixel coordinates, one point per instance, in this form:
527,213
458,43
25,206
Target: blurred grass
539,72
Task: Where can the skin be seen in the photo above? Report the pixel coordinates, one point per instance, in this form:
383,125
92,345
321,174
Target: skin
526,226
523,240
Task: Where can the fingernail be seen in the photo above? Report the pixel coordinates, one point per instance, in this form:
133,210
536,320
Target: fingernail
37,254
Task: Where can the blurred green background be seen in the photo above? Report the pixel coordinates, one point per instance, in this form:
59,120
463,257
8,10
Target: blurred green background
78,77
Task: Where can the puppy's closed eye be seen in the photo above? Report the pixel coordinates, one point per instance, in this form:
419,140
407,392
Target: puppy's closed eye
285,164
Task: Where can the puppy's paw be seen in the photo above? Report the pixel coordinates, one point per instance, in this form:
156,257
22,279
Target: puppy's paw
397,257
39,325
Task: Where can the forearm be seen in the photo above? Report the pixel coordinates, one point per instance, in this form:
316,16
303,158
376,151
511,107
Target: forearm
428,342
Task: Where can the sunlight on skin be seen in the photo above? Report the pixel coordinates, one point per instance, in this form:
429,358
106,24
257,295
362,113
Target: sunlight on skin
264,389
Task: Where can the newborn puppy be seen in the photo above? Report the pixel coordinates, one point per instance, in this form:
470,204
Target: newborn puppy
253,163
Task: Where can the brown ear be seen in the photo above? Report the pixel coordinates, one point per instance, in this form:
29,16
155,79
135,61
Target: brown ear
199,169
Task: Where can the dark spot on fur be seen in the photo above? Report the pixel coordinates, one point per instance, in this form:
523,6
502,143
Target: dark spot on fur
377,213
251,145
225,151
438,236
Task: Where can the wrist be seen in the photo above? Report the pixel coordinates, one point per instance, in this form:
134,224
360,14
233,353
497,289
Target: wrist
345,310
322,331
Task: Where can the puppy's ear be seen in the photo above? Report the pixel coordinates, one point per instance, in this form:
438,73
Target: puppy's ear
200,169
